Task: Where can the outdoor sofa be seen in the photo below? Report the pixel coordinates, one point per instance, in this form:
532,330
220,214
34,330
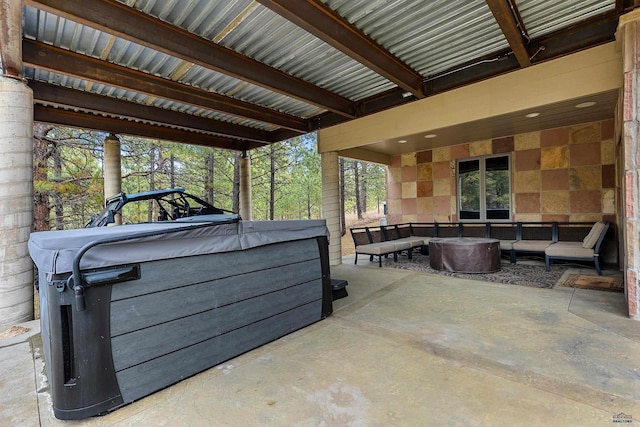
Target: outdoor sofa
586,250
577,241
383,241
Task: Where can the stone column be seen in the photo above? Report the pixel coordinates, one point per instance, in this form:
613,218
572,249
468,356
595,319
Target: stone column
16,200
112,170
331,204
628,37
245,186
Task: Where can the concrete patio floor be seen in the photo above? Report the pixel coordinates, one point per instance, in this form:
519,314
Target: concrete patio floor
403,348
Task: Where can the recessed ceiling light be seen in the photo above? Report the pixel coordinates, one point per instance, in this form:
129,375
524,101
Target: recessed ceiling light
585,104
402,141
532,115
430,135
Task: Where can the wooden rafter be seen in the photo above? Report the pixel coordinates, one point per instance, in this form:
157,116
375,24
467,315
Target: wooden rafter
626,5
321,21
501,10
593,32
84,120
308,14
40,55
113,17
90,102
589,33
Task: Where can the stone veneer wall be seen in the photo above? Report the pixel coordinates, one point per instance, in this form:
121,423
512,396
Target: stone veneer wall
563,174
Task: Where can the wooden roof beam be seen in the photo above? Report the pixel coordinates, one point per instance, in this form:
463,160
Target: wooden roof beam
49,94
43,56
623,6
113,17
321,21
83,120
598,30
504,16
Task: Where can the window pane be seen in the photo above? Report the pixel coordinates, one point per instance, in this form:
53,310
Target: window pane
469,186
497,164
497,188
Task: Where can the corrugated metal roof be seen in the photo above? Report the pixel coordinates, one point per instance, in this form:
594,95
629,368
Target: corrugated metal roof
100,89
433,37
211,20
279,43
542,17
430,36
60,32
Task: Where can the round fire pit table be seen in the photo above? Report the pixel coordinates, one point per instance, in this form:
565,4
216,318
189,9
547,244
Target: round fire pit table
465,254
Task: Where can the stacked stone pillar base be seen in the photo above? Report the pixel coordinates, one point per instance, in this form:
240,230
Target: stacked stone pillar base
16,201
628,118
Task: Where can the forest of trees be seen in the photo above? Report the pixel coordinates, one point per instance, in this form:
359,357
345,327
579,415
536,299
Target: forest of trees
285,177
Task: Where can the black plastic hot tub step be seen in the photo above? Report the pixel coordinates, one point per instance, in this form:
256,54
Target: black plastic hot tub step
339,288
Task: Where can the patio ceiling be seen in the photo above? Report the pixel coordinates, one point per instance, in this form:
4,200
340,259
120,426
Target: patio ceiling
239,74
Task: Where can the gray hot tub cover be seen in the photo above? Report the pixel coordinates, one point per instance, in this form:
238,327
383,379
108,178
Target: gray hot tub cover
54,251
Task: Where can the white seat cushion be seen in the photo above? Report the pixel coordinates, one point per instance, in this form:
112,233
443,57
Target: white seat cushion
532,245
376,248
400,245
569,250
413,241
591,239
506,245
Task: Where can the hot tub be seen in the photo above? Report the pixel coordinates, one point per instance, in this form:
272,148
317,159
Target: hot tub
128,310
